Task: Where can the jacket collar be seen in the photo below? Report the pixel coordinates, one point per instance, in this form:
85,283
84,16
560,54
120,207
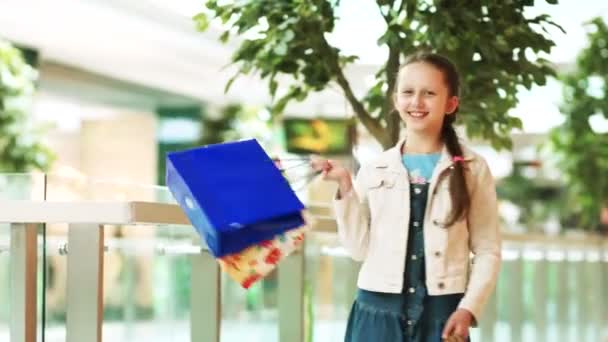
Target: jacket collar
391,158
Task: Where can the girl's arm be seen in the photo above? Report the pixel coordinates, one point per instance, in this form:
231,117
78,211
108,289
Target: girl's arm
484,242
352,215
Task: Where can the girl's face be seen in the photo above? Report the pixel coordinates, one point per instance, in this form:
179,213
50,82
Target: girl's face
423,98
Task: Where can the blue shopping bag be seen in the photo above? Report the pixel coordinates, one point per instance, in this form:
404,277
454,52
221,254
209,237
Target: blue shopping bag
233,194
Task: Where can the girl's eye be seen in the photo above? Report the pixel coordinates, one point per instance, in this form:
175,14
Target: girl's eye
424,92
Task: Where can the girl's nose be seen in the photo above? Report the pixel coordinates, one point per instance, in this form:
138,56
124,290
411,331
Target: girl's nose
416,100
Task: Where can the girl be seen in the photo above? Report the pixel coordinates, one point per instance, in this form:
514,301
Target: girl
415,214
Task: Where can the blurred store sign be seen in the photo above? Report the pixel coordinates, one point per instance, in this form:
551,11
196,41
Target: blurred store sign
323,136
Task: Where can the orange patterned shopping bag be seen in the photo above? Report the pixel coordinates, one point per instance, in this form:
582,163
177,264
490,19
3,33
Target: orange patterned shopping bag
254,263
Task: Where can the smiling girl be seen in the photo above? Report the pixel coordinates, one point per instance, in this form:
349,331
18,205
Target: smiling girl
415,215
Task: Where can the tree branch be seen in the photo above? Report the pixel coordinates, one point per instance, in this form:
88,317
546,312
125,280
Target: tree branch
392,68
390,5
372,125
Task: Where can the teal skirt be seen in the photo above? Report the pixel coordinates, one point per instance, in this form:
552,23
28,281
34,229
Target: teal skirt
382,317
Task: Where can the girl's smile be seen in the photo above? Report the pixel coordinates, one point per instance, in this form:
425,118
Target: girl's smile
418,114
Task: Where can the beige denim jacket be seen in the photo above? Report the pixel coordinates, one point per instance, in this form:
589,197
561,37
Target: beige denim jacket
373,227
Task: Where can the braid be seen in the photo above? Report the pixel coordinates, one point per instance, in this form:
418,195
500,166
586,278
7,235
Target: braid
459,193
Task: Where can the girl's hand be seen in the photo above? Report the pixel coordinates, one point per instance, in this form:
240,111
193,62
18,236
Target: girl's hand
332,171
458,324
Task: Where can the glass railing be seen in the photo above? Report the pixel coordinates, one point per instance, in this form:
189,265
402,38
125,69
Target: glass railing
145,267
17,187
549,289
146,283
155,283
5,284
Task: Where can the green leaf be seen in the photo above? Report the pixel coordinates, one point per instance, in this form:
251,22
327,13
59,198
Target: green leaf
229,83
281,49
201,21
225,36
583,154
21,147
288,36
273,86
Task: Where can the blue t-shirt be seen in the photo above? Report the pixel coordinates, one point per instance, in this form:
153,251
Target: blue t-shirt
420,166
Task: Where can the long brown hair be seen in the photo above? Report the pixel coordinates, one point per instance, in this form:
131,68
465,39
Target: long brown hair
459,194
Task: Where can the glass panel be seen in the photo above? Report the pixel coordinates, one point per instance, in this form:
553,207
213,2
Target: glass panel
251,314
22,186
331,283
552,295
145,287
147,283
5,267
55,299
14,186
74,188
544,291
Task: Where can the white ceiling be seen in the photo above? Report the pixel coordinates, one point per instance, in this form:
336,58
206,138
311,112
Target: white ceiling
153,44
143,42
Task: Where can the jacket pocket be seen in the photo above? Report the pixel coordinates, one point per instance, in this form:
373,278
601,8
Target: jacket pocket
457,267
379,182
379,191
458,249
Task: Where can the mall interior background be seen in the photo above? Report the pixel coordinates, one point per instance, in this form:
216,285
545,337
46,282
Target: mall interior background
121,82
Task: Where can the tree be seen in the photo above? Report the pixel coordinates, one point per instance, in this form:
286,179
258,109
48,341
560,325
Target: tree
490,41
21,147
582,151
235,121
538,200
220,128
